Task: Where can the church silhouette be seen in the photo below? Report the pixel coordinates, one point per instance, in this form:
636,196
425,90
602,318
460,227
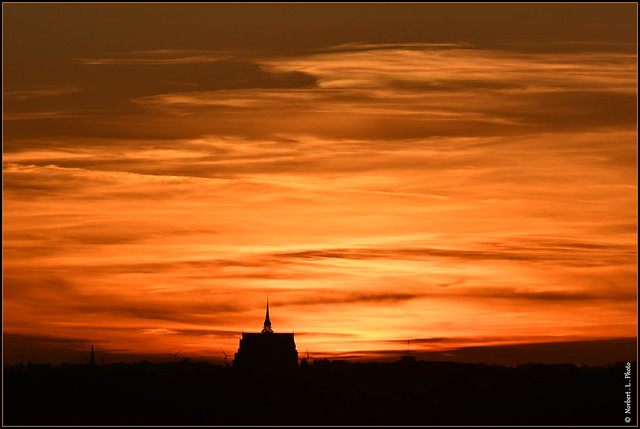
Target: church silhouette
266,351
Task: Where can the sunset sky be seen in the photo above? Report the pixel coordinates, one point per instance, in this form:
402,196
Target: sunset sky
462,176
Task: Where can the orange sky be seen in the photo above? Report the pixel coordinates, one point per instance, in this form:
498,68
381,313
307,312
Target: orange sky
454,175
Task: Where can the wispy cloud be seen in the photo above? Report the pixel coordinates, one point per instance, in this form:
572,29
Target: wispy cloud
360,46
148,61
27,94
159,57
561,252
356,298
416,90
17,116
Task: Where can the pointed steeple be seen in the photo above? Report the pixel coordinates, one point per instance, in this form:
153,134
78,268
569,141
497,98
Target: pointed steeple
92,357
267,323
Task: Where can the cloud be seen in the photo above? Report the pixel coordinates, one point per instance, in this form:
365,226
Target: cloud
166,56
54,114
206,332
537,295
148,61
564,253
27,94
355,298
547,295
323,334
41,340
76,113
593,352
360,46
415,91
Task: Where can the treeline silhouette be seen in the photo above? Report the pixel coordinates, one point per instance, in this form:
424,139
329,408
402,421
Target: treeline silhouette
323,393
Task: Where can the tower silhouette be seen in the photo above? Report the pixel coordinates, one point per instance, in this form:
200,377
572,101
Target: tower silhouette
267,322
266,352
92,357
408,358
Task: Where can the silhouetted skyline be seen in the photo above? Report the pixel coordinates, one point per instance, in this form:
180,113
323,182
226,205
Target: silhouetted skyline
322,393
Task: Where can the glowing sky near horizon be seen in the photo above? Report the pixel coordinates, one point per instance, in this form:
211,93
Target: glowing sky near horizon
378,187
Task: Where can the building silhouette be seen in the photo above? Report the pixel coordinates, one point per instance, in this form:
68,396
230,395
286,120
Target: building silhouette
266,351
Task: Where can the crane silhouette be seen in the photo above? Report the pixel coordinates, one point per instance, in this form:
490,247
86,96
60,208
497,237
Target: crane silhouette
175,355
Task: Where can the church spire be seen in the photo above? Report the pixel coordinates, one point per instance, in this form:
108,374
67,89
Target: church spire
267,323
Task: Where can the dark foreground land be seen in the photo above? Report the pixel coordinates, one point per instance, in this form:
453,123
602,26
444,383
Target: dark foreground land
326,393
